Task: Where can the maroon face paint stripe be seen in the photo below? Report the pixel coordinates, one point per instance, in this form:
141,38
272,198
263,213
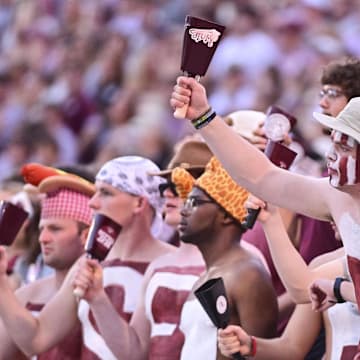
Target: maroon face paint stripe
343,171
357,170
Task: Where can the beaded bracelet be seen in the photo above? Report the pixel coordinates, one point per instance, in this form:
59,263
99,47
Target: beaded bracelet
204,119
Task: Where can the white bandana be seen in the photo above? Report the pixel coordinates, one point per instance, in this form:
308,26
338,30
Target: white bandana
130,174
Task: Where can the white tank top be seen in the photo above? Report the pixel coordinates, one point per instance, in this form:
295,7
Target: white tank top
200,333
345,326
124,280
350,233
165,295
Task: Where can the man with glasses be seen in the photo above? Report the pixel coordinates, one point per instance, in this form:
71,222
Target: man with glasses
212,219
331,93
174,274
339,84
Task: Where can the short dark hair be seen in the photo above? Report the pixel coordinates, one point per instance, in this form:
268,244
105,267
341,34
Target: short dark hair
345,74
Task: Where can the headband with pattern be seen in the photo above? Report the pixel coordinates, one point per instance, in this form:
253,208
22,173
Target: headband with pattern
218,184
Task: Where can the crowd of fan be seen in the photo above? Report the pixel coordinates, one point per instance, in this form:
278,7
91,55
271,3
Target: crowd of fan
85,81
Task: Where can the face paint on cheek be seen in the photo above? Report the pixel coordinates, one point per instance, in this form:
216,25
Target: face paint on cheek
348,167
335,160
343,171
334,173
357,164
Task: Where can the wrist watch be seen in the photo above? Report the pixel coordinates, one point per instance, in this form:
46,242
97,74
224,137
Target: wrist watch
336,290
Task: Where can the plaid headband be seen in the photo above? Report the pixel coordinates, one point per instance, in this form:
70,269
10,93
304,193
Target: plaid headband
68,204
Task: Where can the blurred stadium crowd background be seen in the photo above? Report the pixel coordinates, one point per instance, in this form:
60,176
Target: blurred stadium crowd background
83,81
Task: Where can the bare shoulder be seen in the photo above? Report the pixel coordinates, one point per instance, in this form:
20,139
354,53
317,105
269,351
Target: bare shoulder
252,249
250,267
38,291
248,272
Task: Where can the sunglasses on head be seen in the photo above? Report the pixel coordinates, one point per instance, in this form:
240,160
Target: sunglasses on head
168,185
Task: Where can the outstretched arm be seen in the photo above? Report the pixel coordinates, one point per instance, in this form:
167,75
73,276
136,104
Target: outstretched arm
35,335
291,267
249,166
294,344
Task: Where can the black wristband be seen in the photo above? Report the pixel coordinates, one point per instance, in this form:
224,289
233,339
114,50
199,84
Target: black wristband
336,289
204,119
